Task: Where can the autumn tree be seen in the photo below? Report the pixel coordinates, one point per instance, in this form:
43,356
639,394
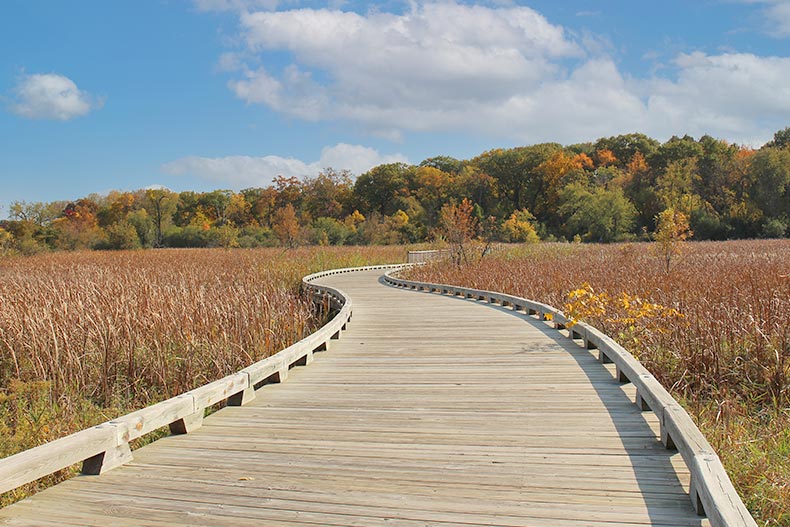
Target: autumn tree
672,229
328,194
263,202
433,188
285,225
458,226
288,190
520,228
239,211
550,177
6,242
605,158
78,227
514,170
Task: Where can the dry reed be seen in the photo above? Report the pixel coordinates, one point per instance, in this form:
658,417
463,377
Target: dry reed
87,336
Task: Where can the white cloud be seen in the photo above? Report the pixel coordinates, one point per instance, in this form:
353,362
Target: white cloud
776,16
736,96
51,96
779,15
413,66
502,71
246,171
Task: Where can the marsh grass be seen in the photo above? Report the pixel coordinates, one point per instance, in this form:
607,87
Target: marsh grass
88,336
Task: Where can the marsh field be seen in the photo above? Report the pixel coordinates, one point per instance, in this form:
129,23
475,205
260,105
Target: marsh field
87,336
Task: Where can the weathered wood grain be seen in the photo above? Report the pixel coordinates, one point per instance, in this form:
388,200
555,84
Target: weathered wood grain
711,491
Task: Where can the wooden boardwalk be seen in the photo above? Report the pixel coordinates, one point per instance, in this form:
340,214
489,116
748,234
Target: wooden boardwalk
429,411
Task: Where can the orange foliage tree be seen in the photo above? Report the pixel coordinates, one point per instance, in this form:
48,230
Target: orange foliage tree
458,225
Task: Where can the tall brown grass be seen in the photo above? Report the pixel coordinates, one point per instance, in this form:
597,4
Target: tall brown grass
726,356
87,336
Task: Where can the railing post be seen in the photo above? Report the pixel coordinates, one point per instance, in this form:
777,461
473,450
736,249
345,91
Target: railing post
188,423
243,397
110,458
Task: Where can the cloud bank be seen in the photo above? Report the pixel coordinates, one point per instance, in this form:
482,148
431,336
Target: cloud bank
502,71
51,96
246,171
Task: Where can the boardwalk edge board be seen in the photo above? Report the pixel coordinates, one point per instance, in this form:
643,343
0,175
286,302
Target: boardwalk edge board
711,491
106,446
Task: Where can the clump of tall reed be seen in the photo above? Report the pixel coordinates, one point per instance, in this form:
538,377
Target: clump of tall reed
86,336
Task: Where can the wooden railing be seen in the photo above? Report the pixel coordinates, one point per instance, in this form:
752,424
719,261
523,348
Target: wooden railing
106,446
711,490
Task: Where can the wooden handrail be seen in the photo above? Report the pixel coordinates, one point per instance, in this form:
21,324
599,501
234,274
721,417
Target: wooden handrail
711,491
106,446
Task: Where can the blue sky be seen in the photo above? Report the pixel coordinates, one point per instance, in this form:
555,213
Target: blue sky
205,94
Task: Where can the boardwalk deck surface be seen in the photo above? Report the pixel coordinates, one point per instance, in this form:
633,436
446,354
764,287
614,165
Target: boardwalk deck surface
429,411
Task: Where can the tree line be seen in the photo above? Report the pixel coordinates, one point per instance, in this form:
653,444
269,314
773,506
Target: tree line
613,189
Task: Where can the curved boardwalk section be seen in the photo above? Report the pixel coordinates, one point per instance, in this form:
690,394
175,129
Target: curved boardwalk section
429,411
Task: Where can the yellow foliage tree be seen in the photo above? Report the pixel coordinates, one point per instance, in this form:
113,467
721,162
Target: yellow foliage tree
6,242
605,158
519,228
353,220
672,229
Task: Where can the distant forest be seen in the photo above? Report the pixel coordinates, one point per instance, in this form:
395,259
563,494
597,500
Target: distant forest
611,190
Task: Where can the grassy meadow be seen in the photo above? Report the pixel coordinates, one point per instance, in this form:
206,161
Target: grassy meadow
715,330
88,336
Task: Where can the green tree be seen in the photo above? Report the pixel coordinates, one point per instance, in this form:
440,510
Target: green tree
625,146
675,186
446,164
515,171
122,236
160,203
597,215
329,231
186,208
214,205
781,139
675,149
770,187
377,189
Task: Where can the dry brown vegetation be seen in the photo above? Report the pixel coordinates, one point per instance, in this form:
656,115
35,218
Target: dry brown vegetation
715,330
87,336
